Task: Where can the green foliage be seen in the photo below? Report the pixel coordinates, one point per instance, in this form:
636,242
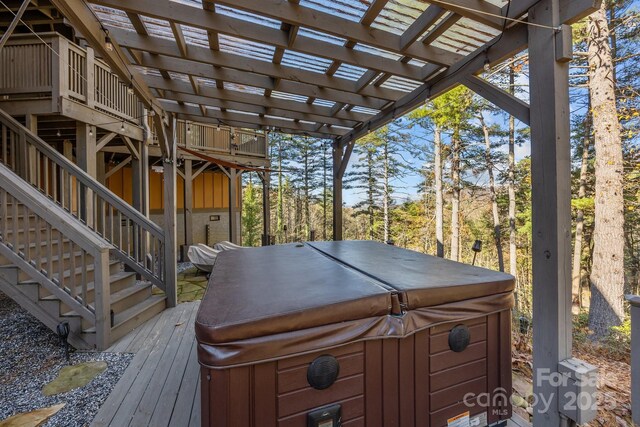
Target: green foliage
251,216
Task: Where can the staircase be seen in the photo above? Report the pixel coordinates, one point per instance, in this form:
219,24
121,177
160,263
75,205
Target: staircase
70,250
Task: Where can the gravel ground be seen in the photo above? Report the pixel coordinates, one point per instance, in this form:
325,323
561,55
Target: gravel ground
31,356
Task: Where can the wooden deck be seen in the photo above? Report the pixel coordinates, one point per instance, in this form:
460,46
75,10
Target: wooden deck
161,386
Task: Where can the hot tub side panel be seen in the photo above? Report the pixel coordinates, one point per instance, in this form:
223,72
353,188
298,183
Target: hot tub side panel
414,381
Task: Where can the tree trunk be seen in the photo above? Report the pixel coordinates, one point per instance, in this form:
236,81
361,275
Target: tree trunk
455,199
324,192
371,191
607,275
437,141
279,205
577,248
492,192
385,191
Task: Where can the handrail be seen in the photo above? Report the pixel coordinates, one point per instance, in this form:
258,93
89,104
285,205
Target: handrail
37,259
90,201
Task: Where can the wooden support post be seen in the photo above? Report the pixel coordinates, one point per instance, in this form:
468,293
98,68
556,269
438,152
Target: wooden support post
551,214
102,300
86,159
31,162
65,185
91,78
169,226
337,192
635,358
188,203
233,221
266,209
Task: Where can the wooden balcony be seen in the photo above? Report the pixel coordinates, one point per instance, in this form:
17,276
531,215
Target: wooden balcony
65,79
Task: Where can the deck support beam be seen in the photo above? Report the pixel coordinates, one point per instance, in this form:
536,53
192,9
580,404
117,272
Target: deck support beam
233,221
86,159
167,137
188,203
551,215
338,166
266,207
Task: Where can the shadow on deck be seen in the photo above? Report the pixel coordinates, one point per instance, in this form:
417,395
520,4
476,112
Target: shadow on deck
161,386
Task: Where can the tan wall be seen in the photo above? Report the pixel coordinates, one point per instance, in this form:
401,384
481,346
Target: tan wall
210,189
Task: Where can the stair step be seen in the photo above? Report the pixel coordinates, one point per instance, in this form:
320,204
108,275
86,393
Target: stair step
127,320
123,299
78,273
117,282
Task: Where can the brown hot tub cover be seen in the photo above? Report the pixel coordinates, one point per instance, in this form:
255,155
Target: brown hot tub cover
280,301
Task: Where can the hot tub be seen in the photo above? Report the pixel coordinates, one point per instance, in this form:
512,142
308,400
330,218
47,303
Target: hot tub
353,334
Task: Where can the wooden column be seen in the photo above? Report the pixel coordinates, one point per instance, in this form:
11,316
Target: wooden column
551,214
31,122
266,208
137,176
86,159
635,357
188,202
337,193
101,168
233,221
144,177
170,224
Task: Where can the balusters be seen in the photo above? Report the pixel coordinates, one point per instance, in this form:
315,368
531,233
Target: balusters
83,263
49,251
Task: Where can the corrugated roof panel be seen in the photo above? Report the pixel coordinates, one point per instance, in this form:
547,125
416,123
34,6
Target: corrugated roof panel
364,110
246,48
113,17
317,35
323,103
195,36
244,88
350,72
179,76
288,96
157,27
247,16
401,84
379,52
351,10
305,62
465,36
398,15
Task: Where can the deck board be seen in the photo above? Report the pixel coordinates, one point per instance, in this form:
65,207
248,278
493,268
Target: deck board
161,386
158,375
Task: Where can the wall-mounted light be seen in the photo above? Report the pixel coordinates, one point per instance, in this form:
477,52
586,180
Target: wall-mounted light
130,89
122,126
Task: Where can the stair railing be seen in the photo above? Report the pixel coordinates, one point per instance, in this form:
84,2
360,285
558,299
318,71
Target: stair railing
30,223
139,242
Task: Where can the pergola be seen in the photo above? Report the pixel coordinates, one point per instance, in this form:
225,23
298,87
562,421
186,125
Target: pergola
338,69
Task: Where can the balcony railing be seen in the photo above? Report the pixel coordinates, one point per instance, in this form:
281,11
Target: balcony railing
220,139
32,70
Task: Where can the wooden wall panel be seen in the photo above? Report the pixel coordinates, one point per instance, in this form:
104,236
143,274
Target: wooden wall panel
210,189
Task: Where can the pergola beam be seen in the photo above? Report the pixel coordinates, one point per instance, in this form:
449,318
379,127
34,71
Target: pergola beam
340,27
167,48
178,13
231,105
225,116
512,41
500,98
266,103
